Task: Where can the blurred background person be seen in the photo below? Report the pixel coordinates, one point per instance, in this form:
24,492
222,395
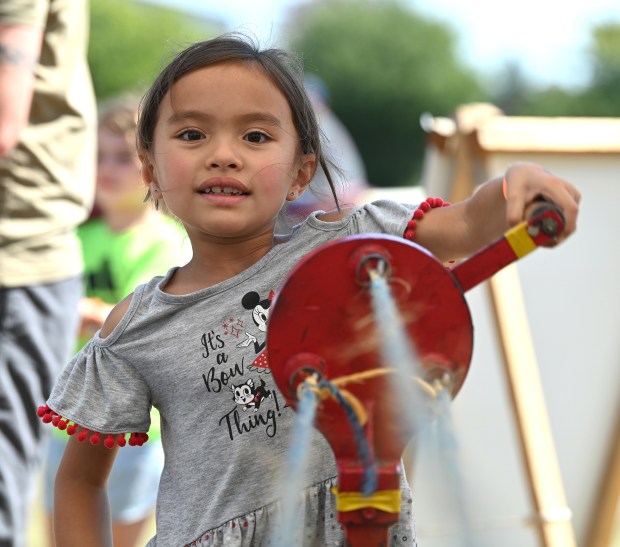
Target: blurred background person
341,149
127,244
47,162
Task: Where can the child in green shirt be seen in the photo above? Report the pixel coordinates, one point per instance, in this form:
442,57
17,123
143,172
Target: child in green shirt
127,243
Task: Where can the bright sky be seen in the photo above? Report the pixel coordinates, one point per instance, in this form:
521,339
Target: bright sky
547,38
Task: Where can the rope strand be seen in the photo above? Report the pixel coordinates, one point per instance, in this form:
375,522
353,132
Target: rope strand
369,482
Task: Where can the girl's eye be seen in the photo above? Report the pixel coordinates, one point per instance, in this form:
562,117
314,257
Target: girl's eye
256,137
191,135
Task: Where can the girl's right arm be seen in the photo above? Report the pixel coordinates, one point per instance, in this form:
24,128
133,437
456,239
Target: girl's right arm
81,507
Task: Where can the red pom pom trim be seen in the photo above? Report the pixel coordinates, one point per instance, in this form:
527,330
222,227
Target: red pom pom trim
47,415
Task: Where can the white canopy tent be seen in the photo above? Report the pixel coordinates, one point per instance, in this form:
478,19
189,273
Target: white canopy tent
537,421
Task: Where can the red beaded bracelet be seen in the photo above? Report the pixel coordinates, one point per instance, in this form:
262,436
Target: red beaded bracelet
418,214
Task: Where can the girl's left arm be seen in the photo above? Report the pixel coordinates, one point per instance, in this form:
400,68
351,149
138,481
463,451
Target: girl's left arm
465,227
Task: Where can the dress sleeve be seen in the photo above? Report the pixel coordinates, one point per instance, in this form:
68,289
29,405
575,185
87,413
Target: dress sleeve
104,395
384,216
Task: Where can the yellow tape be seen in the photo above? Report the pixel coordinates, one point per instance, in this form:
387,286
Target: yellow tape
520,241
384,500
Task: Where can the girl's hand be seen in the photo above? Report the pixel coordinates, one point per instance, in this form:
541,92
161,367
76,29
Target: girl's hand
527,183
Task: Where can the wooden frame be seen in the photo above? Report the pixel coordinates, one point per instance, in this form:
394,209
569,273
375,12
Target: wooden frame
481,130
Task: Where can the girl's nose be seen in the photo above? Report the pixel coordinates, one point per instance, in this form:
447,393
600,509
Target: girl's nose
223,155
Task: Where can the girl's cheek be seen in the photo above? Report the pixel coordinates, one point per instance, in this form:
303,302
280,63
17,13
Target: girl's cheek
276,172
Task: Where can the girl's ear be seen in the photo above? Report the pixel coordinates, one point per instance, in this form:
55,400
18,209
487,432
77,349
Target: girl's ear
150,180
147,171
306,171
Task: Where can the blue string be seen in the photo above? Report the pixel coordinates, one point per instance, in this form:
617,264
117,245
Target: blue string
448,457
284,534
369,480
399,352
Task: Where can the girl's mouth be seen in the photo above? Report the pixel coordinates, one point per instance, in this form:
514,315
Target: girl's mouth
226,190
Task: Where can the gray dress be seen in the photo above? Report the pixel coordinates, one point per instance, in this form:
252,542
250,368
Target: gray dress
199,359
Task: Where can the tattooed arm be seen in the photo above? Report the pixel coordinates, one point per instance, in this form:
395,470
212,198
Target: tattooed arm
19,51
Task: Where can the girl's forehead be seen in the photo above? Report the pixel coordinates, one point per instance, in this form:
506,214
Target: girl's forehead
228,85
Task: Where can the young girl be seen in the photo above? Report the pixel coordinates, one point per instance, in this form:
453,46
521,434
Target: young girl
227,137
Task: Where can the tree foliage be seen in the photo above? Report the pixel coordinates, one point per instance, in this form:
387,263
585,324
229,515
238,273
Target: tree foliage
601,97
598,98
130,42
384,66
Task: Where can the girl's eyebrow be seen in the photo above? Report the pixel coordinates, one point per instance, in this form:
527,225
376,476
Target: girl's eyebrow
263,117
250,117
184,115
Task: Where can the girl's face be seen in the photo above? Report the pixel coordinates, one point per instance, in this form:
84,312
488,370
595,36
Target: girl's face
119,185
225,152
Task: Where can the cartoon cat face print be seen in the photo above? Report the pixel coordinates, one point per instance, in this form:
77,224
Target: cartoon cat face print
248,395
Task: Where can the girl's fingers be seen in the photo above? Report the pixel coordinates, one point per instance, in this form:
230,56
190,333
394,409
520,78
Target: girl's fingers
525,187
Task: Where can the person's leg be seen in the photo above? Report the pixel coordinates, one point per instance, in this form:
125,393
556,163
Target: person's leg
132,490
38,326
127,535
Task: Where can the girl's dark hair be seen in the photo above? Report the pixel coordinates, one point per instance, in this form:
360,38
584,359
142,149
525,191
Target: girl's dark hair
283,68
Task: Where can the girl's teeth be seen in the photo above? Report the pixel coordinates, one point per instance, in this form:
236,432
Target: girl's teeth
218,190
